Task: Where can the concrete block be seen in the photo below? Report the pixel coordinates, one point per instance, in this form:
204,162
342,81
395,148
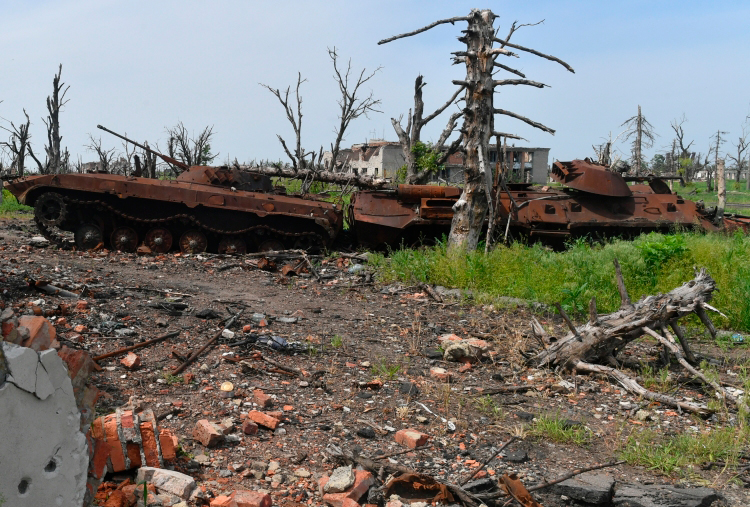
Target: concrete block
22,363
167,481
43,454
589,488
56,370
44,387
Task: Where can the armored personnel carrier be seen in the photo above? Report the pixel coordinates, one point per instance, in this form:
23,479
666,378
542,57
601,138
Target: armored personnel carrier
216,209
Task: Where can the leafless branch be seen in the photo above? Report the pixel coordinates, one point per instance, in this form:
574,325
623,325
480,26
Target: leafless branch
503,82
512,71
524,119
424,29
535,52
105,156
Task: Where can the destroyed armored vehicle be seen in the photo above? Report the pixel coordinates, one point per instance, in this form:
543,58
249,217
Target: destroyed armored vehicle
593,201
216,209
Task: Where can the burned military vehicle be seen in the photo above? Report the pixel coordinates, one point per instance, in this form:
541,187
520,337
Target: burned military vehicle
236,210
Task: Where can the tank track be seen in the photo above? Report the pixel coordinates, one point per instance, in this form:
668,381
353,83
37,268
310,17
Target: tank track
64,243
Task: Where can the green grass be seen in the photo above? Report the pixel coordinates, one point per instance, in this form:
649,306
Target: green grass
10,204
668,455
651,263
384,369
337,341
487,406
736,193
557,429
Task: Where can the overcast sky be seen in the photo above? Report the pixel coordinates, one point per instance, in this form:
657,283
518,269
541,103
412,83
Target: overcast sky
139,66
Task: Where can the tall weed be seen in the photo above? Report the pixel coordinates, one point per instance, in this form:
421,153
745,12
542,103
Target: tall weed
651,263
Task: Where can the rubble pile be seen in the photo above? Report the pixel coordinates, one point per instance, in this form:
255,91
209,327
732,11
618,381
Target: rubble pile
314,392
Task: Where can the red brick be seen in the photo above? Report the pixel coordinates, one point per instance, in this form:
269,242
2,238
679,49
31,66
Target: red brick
247,328
207,434
134,454
411,438
131,361
168,447
117,499
249,427
244,498
349,498
221,501
82,305
41,332
8,326
79,363
262,399
80,328
150,450
263,419
440,374
116,457
62,321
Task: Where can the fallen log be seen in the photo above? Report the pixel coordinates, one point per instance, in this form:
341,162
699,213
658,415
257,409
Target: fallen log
591,347
341,178
600,340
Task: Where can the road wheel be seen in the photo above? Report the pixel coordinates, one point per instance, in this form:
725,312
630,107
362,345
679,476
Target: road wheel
193,241
50,209
88,236
158,239
124,239
232,245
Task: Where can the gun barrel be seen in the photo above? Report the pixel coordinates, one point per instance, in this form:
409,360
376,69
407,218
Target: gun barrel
167,159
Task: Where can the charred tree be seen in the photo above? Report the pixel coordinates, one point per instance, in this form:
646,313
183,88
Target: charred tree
718,140
480,58
191,150
413,134
721,190
642,134
739,159
18,144
106,157
351,106
56,159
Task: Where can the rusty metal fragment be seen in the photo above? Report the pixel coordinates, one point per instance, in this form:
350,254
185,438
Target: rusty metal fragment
516,489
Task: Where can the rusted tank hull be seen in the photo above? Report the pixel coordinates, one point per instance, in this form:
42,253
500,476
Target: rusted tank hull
121,211
602,205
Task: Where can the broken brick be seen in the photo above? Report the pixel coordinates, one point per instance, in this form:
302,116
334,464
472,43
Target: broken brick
41,332
349,498
221,501
244,498
440,374
249,427
131,361
206,433
411,438
262,419
262,399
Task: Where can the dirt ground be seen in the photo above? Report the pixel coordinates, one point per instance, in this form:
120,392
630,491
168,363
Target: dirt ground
375,347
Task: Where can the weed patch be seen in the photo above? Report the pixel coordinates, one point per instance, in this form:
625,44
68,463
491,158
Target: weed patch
553,427
671,454
11,205
651,263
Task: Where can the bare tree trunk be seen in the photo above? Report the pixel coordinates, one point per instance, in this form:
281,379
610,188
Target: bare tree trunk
722,190
471,208
639,138
18,144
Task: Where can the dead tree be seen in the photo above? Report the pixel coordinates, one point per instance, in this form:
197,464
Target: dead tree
105,156
739,160
479,109
643,136
721,190
55,158
351,106
191,151
593,347
299,157
18,144
412,135
718,140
